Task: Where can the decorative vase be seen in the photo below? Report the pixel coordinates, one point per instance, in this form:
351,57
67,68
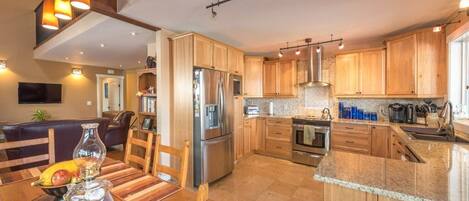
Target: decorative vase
90,152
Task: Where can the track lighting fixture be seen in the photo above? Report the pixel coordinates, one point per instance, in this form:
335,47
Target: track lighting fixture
341,45
298,52
280,54
218,3
318,49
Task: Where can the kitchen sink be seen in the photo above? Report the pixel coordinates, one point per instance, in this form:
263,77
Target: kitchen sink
431,134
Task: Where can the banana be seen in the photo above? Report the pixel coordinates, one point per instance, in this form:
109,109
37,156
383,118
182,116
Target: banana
71,166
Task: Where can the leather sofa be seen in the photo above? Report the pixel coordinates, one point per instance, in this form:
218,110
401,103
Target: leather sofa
67,136
117,131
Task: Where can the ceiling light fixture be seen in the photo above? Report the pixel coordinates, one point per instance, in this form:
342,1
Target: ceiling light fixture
3,65
101,45
63,9
139,62
82,53
66,58
318,49
437,28
77,71
212,5
463,4
81,4
341,45
133,33
49,21
280,54
298,52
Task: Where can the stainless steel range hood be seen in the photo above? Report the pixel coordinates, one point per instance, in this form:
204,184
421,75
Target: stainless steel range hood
314,69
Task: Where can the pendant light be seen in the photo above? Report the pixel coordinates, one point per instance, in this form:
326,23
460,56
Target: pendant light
81,4
63,9
49,21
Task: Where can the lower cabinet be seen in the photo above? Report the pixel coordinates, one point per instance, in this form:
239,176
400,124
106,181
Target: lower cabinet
260,143
278,137
380,141
249,135
337,193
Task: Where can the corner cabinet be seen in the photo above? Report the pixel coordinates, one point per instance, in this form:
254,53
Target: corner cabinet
360,73
253,76
280,78
416,64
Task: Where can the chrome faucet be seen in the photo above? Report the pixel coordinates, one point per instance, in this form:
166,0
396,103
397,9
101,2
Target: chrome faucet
446,115
326,114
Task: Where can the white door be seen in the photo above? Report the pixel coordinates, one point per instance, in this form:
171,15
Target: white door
111,95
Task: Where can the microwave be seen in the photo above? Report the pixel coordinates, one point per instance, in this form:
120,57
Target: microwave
237,85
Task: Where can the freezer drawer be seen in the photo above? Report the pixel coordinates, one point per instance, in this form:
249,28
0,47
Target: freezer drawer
217,158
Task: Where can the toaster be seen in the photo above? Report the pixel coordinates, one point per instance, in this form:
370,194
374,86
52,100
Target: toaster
251,110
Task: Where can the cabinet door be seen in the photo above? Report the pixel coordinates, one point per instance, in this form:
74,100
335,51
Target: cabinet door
401,66
287,78
238,127
270,78
253,76
379,141
347,74
220,56
372,72
253,135
431,63
247,136
233,61
261,123
203,52
240,63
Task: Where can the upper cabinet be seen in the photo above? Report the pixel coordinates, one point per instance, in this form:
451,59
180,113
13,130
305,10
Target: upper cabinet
211,54
402,65
253,76
360,73
280,78
235,61
417,64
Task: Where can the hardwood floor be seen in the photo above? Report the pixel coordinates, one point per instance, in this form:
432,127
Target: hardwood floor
261,178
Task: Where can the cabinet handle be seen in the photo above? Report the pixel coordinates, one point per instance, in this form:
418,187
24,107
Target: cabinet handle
358,92
413,92
348,141
245,94
349,128
278,147
236,71
278,133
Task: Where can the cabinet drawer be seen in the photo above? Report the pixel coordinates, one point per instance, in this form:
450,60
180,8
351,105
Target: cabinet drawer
280,133
359,143
278,148
351,128
279,122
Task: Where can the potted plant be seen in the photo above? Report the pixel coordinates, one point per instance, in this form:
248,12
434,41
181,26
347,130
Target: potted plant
40,115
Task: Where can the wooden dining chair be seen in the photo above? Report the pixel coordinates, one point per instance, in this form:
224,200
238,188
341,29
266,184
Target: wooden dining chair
181,155
50,156
147,145
202,192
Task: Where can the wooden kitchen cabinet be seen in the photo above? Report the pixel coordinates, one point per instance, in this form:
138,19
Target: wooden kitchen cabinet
238,127
253,76
280,78
401,66
397,147
361,73
347,74
379,141
249,135
261,128
351,138
203,52
220,56
270,78
278,137
235,61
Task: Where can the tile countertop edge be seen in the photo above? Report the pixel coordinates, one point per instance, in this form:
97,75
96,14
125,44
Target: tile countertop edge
368,189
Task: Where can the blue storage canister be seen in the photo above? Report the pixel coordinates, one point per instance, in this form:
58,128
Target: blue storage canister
374,116
366,116
360,114
354,112
341,110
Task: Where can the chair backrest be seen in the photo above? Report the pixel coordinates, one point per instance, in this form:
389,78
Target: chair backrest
50,156
147,145
202,192
180,174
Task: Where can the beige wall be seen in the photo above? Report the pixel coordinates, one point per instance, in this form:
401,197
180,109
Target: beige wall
131,100
17,39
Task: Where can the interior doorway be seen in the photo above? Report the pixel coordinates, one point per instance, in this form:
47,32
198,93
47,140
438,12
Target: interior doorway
110,96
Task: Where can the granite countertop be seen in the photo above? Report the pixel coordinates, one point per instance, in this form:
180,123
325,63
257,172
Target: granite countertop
267,115
444,174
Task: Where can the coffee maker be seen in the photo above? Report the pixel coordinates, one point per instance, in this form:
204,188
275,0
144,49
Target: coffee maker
397,113
411,114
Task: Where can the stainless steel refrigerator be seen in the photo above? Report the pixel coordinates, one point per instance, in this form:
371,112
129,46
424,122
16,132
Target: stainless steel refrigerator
213,125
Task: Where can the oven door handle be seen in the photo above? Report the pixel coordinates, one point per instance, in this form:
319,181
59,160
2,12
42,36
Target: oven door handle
298,126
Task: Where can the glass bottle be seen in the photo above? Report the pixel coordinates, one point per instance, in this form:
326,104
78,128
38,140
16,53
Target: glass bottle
90,152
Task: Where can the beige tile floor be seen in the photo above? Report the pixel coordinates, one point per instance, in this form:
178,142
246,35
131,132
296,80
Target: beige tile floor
261,178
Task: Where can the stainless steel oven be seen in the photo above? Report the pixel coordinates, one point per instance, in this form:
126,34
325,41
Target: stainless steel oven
310,150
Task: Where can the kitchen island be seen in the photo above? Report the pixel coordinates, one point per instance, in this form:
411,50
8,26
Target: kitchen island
443,173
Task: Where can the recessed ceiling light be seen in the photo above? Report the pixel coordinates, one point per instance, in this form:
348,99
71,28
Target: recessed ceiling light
66,58
102,44
120,65
133,33
139,62
82,53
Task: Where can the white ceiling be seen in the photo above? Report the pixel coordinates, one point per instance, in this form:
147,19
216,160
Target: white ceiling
120,47
262,26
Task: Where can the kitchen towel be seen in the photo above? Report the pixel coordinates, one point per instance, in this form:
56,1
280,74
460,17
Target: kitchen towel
309,135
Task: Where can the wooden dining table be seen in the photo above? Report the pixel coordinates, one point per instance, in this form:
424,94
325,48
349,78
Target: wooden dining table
16,186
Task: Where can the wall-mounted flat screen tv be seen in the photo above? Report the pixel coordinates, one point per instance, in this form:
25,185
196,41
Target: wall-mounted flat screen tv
39,93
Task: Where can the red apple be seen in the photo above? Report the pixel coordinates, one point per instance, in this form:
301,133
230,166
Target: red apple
61,177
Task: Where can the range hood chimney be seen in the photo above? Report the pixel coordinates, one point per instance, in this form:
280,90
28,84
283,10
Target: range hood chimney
314,68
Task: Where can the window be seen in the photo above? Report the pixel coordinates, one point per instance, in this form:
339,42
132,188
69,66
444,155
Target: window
458,75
